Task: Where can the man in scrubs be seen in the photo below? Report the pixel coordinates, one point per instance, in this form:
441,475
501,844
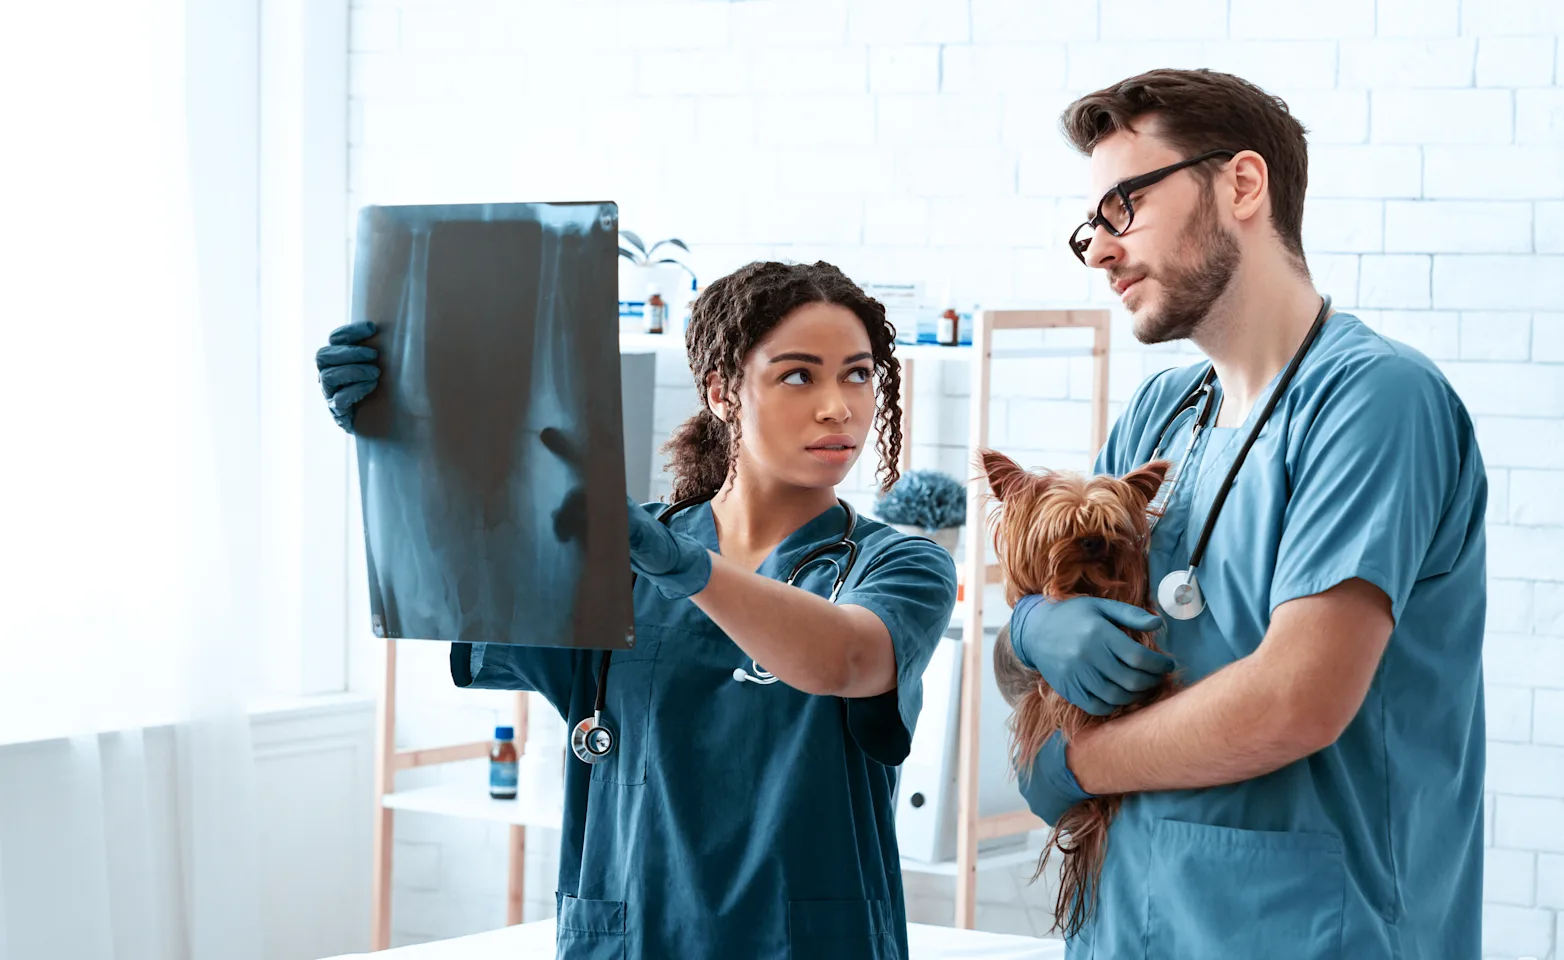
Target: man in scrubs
1317,789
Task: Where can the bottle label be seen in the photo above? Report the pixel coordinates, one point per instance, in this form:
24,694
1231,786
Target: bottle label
502,776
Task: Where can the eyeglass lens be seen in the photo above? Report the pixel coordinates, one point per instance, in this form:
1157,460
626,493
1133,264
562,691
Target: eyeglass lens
1113,212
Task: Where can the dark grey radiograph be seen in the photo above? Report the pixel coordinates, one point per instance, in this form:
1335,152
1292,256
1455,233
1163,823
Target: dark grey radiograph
491,457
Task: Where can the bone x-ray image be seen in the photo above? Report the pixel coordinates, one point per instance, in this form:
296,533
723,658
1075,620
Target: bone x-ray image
491,457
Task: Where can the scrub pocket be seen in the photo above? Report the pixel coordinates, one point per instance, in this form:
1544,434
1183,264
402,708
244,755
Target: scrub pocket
590,929
1220,892
627,710
840,930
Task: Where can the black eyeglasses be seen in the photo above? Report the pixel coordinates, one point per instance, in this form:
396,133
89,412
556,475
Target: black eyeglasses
1116,212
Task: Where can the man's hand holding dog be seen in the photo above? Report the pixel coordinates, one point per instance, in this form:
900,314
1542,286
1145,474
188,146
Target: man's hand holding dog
1049,787
1082,652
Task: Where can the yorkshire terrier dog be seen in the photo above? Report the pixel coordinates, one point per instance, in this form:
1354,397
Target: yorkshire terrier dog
1063,535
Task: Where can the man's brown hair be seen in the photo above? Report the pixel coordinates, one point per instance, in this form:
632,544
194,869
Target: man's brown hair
1199,110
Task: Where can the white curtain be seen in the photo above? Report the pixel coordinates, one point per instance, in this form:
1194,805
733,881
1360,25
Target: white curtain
127,827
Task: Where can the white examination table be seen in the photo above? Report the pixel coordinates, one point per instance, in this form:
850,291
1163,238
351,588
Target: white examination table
535,941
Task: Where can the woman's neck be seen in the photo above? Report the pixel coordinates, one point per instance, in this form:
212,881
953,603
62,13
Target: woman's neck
753,516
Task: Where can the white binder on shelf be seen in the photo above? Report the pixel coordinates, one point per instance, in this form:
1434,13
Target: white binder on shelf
997,789
926,807
926,792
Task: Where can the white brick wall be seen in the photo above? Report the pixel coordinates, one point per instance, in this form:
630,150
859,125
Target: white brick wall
1418,18
1515,61
1396,280
1495,336
1493,172
918,140
1457,226
1321,20
1388,63
1374,172
1005,21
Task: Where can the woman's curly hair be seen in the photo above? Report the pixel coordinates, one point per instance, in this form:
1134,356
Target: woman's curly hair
727,321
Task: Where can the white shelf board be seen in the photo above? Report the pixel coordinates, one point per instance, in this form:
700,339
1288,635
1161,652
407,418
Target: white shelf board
995,609
998,860
536,806
932,351
632,342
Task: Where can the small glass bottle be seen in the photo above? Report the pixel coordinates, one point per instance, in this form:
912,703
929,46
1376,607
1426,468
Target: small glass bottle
949,327
503,764
656,311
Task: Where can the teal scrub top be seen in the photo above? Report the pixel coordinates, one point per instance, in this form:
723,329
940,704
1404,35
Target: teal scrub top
735,819
1372,847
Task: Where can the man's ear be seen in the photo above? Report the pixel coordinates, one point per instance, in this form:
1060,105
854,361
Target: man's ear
1251,184
1147,479
1005,476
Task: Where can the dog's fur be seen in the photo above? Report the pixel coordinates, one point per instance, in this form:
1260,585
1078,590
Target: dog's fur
1063,535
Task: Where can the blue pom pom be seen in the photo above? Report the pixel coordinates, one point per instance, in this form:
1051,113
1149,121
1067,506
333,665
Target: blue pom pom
925,498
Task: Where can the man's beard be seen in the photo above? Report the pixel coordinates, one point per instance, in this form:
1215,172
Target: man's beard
1189,293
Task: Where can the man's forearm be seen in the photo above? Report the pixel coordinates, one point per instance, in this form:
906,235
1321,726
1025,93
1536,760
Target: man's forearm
1237,724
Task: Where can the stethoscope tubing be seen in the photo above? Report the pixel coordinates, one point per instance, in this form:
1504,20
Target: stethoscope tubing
1179,592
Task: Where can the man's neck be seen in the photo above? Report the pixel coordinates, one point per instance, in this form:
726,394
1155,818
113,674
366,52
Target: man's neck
754,515
1254,330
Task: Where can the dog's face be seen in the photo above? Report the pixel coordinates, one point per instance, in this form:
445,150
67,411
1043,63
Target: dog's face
1061,534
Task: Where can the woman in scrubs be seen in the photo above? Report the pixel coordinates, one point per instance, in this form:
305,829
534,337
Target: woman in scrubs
736,816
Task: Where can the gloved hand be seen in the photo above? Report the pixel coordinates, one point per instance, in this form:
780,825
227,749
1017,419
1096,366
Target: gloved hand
1077,646
1050,788
347,370
676,563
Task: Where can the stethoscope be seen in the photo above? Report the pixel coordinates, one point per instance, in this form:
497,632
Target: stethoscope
1179,592
592,740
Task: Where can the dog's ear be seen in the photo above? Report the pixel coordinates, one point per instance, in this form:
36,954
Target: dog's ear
1004,474
1145,480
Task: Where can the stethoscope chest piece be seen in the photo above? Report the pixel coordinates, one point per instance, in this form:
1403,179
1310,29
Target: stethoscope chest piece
1179,595
761,675
591,740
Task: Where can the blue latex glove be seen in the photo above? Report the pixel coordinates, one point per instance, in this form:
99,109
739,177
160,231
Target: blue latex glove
348,371
1077,646
1051,788
676,563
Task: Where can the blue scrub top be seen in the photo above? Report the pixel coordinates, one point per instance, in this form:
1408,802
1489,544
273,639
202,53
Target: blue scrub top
735,819
1373,847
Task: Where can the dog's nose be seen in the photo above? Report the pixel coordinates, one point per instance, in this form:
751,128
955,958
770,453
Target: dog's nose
1093,547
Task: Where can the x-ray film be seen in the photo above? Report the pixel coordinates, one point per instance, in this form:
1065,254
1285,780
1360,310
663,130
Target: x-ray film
491,456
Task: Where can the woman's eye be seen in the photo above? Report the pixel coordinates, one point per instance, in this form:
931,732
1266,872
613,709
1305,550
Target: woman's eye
858,375
797,378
